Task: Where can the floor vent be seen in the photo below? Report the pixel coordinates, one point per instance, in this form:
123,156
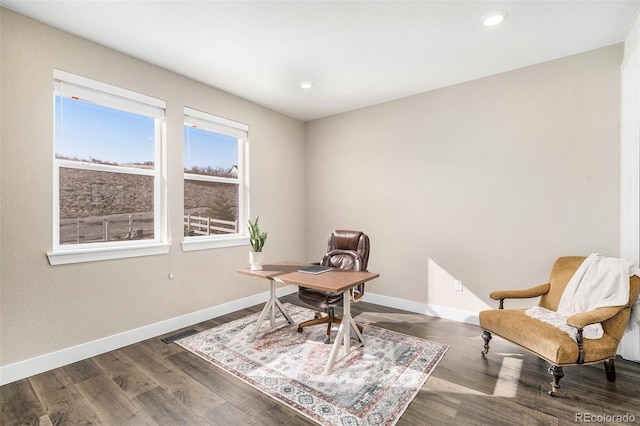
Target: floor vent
179,336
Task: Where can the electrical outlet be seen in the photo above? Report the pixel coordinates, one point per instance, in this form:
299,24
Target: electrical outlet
458,285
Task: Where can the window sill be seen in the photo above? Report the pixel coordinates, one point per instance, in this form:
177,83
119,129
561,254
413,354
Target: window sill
106,253
204,243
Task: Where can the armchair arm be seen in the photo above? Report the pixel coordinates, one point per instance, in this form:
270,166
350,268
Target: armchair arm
583,319
525,293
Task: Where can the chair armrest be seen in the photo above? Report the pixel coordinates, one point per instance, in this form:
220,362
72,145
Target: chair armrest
583,319
525,293
356,293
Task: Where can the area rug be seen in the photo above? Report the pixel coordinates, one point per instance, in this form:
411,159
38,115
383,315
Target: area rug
373,385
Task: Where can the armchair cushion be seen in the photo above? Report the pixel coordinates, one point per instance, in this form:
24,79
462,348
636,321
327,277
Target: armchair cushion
545,340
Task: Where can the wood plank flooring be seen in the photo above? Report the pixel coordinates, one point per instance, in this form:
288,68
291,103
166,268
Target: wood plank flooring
153,383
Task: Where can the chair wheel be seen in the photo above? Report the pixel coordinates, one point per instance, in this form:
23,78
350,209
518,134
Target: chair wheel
299,329
552,393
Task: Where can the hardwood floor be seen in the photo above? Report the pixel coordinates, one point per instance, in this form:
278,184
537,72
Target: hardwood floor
162,384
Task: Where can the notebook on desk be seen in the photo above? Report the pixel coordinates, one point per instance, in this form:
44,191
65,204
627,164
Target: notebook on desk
315,269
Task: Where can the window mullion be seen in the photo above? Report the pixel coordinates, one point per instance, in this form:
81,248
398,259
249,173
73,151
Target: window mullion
69,164
56,204
159,195
207,178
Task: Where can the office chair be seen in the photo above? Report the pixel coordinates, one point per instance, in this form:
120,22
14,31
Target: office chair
347,250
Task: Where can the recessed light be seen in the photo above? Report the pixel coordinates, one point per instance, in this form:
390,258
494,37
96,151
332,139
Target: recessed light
306,85
494,19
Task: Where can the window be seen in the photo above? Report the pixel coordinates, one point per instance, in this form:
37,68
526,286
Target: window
214,181
108,186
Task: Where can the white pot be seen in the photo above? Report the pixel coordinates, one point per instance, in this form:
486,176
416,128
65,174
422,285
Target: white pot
256,258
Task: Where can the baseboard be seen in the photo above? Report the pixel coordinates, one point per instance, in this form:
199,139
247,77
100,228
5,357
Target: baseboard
457,315
22,369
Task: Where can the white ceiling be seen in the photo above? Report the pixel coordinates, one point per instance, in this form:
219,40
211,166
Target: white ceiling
355,53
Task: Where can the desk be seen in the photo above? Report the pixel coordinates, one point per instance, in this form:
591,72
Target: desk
336,281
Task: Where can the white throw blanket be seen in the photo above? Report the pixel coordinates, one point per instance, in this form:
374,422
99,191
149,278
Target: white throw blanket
552,317
598,282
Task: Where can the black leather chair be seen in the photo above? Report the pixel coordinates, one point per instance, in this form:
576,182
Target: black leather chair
348,250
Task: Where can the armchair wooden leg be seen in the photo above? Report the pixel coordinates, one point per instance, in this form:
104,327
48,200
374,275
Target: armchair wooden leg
557,374
610,369
486,336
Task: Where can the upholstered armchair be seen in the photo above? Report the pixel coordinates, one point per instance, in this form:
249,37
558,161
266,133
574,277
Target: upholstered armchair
550,343
347,250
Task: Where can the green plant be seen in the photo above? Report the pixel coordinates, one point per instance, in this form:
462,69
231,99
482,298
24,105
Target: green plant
256,237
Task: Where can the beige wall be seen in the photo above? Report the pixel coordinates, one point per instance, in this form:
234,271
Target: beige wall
44,308
486,181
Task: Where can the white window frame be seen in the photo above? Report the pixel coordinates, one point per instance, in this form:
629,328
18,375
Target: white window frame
114,97
212,123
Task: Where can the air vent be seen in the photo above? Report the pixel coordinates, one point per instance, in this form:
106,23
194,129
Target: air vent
179,336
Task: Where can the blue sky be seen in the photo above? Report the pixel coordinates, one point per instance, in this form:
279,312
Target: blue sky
203,148
95,132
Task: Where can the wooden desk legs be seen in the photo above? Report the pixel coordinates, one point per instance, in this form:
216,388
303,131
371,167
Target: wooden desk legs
270,307
344,333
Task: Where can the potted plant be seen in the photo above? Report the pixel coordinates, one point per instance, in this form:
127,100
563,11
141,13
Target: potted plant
257,239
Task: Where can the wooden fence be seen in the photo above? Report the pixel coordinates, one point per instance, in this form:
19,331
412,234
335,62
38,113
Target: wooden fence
200,225
106,228
135,227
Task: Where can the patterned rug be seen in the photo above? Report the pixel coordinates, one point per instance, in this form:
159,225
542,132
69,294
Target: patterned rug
373,385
